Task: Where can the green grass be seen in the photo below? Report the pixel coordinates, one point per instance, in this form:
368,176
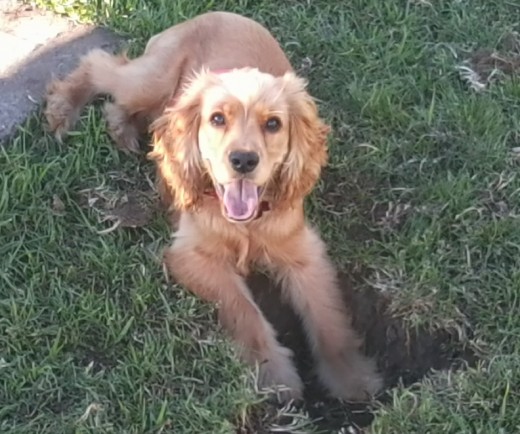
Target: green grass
87,320
422,192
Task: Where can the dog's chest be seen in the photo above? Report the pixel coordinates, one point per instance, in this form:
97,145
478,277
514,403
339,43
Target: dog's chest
246,252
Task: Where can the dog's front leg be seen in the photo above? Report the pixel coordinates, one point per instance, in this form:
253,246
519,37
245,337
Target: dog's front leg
213,279
309,280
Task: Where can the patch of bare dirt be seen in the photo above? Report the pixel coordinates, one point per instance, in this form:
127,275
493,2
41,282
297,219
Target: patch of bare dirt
487,65
485,61
131,209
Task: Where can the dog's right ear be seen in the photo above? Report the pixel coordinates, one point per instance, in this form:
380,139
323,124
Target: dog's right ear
180,172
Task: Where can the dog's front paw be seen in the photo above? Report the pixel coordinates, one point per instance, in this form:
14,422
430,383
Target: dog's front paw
350,376
278,374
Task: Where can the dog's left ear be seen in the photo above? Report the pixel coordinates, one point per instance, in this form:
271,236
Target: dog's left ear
307,143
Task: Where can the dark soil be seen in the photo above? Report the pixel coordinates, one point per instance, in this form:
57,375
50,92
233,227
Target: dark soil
403,355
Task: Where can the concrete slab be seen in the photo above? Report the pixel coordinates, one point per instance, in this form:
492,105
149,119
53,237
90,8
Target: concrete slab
36,46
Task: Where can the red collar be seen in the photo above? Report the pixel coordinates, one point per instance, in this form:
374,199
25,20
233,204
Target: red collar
264,205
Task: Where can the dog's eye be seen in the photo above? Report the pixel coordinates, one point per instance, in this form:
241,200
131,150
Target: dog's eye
217,119
273,124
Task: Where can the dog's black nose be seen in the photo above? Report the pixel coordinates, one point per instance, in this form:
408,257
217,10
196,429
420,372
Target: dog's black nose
243,161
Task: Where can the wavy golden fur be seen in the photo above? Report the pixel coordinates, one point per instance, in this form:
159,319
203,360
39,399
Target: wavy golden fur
238,144
178,158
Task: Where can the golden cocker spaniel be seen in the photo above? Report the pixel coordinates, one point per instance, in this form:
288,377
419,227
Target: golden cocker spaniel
238,144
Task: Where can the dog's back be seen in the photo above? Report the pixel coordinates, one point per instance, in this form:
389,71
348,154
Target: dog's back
220,40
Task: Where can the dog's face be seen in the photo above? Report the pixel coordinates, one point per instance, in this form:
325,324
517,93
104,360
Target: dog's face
243,138
245,132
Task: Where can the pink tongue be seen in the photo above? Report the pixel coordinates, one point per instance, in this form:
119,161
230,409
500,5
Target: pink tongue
240,199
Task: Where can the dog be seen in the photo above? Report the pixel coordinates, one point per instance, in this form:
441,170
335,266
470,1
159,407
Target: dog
238,144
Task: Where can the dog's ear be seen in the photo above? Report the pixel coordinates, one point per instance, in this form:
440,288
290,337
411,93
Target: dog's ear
307,144
180,173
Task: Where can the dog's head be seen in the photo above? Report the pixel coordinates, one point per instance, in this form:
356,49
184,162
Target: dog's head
246,135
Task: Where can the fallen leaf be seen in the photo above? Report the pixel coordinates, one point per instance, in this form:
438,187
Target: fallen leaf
58,207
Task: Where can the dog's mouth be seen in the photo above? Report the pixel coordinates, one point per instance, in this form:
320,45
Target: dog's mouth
240,199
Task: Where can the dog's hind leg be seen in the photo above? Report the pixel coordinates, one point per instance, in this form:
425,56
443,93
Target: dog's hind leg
140,88
65,98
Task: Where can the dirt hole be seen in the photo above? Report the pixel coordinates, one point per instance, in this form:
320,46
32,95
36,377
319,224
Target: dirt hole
402,355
